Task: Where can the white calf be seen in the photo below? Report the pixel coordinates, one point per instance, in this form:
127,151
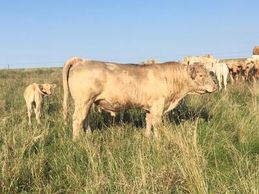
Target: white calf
221,71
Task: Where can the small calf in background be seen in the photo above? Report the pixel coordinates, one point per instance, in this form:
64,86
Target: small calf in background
33,95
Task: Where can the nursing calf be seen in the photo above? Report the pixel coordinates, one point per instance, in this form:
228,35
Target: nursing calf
156,88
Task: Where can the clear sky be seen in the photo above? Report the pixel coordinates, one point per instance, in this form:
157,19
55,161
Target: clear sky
36,33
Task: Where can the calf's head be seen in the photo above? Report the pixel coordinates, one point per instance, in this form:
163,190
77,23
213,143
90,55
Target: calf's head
47,89
201,80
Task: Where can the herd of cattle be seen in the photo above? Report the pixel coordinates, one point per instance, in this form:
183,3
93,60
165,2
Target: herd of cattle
155,87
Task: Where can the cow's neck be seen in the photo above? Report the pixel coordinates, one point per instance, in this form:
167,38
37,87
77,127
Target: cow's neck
174,99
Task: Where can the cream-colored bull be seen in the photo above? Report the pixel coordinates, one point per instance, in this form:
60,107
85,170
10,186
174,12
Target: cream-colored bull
156,88
33,95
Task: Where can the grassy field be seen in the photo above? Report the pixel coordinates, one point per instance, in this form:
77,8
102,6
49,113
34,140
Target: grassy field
209,144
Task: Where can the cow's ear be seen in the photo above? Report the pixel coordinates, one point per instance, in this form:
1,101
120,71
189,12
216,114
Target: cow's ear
192,71
40,87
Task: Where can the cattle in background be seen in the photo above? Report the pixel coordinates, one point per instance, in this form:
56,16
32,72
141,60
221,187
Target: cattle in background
206,59
212,64
235,69
256,50
251,68
156,88
150,61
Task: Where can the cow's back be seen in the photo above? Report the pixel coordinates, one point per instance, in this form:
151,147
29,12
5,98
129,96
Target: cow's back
131,84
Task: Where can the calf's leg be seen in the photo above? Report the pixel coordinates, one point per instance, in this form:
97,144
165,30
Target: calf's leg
38,110
29,111
225,77
219,78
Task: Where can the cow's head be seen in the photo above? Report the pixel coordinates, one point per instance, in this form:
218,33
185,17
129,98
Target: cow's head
47,89
234,68
201,80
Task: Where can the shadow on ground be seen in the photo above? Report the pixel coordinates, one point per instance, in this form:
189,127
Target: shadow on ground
136,117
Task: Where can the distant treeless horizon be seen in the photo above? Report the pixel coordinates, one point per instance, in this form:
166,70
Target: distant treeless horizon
41,34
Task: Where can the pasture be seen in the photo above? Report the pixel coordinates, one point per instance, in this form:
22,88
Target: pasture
208,144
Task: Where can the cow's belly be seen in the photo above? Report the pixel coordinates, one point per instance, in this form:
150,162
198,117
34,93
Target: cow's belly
109,106
116,105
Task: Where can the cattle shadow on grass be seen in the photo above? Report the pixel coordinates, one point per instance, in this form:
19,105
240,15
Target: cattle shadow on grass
183,112
136,117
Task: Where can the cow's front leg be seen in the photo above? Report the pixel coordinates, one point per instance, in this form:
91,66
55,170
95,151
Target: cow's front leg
157,121
154,118
148,125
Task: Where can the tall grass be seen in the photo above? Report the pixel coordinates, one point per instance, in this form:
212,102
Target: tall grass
209,144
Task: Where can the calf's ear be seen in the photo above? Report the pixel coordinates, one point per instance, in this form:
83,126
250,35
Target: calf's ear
192,71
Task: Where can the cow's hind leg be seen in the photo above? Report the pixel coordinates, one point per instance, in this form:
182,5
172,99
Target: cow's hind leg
79,117
38,111
29,111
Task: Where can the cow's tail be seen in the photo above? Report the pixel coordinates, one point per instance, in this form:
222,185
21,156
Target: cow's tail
68,64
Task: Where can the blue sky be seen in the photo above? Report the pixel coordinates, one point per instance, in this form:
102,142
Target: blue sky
46,33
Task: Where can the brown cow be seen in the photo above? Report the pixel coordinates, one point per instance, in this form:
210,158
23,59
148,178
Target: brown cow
256,50
235,69
251,68
156,88
248,71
